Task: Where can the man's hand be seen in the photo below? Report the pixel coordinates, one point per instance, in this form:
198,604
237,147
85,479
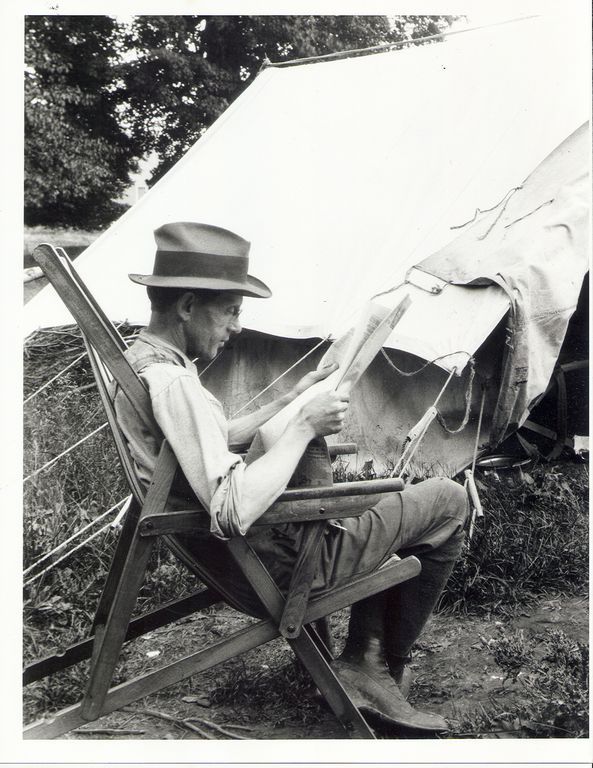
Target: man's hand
325,413
312,378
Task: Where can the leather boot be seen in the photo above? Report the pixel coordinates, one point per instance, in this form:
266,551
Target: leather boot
408,606
363,670
402,674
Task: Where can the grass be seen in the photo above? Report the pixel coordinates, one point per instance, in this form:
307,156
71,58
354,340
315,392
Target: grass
73,240
59,606
533,539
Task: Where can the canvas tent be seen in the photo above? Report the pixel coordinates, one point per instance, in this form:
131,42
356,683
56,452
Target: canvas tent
352,177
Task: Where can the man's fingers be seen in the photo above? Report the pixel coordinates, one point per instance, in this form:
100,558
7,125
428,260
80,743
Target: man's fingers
344,391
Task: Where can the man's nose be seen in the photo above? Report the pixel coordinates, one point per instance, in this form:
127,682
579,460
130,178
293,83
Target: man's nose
235,325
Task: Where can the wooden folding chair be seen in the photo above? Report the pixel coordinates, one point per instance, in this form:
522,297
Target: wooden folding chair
147,518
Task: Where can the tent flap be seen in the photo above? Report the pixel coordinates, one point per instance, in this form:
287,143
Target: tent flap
535,245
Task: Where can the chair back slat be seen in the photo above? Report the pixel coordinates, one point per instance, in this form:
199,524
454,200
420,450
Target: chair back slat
99,331
90,298
103,384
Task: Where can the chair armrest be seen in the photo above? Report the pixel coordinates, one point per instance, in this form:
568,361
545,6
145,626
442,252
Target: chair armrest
192,520
293,506
355,488
328,501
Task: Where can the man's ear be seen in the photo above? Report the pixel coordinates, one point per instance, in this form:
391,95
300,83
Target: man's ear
184,305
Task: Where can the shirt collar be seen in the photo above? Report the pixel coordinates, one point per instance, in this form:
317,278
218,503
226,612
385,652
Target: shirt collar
157,341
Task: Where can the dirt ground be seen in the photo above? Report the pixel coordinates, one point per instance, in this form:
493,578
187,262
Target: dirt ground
263,695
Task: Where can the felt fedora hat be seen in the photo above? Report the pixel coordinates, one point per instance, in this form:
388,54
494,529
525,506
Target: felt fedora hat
191,255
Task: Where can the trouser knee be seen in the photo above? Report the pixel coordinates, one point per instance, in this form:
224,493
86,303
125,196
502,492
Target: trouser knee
453,510
456,502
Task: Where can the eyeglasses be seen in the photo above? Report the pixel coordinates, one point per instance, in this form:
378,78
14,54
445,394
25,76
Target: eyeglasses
233,312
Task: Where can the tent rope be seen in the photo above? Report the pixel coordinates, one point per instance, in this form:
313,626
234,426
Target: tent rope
412,441
478,211
535,210
411,444
67,368
476,509
67,554
75,535
499,214
64,453
211,363
479,429
54,378
277,379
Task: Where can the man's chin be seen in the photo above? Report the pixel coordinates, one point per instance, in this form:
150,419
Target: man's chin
209,356
203,356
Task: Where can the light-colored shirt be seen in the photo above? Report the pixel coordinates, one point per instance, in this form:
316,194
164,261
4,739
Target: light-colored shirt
193,422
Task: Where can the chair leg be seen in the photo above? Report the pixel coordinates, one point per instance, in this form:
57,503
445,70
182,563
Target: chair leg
302,577
330,686
110,636
304,646
123,588
116,566
148,683
322,635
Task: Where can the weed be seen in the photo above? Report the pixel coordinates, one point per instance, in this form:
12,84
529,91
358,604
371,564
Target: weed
272,682
511,652
553,687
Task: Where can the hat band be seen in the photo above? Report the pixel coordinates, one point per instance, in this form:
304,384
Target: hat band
198,265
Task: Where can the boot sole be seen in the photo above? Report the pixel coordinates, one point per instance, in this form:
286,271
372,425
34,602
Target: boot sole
410,720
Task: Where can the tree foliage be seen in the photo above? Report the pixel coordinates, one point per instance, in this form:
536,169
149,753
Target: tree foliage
101,93
190,68
77,156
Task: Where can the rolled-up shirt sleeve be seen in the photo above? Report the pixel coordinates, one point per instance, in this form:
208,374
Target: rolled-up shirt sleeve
189,420
225,505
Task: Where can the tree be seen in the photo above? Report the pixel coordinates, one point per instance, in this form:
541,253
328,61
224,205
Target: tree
100,94
77,155
188,69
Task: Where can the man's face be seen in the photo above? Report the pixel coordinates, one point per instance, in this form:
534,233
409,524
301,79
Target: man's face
211,325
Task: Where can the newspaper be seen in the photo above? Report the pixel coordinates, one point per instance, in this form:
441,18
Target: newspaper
353,352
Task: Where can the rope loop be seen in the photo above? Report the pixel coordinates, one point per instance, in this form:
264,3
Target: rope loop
426,364
468,402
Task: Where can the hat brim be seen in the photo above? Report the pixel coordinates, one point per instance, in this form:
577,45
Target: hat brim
250,287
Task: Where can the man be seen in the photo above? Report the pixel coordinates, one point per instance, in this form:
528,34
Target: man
196,290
